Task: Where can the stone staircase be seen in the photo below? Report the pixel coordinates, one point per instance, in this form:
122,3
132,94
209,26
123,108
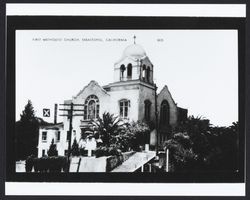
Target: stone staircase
134,162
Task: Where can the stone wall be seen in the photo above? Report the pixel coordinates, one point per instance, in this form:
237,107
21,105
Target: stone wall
101,164
114,161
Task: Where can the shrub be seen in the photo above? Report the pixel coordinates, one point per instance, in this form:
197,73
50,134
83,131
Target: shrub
64,163
29,164
113,151
101,151
83,152
113,161
182,156
215,147
135,135
36,166
52,149
75,148
107,151
43,165
138,134
55,164
47,164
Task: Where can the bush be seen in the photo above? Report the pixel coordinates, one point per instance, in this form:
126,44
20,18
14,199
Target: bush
43,164
138,134
83,152
29,164
101,151
52,149
47,164
107,151
113,161
75,148
64,163
36,166
113,151
182,156
55,164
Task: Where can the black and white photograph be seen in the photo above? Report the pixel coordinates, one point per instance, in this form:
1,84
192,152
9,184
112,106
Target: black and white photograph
125,99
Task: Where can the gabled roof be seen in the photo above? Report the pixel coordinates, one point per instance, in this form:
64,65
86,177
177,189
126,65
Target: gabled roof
52,126
91,83
166,88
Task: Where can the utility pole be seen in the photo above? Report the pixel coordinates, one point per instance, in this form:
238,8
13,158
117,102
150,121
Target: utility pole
70,115
55,114
156,120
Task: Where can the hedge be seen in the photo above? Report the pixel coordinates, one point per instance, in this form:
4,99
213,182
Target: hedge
113,161
107,151
46,164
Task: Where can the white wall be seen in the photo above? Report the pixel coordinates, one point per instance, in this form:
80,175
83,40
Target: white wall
130,94
51,134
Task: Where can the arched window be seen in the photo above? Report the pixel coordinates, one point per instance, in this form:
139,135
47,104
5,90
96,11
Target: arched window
143,72
147,109
164,113
148,74
129,71
122,69
124,105
92,107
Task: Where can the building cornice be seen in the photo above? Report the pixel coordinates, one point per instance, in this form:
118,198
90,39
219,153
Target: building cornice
129,83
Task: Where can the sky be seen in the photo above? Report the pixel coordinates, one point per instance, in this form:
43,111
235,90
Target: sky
200,67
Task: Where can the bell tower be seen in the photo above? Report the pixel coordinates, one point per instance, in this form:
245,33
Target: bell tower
134,65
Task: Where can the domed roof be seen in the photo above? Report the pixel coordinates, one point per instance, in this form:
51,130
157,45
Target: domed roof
135,51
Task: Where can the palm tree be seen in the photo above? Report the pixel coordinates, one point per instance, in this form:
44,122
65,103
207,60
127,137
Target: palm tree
108,127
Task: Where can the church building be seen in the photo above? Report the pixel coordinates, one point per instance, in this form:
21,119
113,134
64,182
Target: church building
132,96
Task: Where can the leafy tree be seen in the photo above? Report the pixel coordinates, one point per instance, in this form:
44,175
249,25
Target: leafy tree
52,149
181,153
28,114
198,130
224,154
139,133
216,148
132,137
117,134
26,133
75,148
